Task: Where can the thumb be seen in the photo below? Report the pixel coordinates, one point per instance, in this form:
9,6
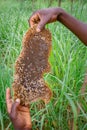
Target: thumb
42,23
14,108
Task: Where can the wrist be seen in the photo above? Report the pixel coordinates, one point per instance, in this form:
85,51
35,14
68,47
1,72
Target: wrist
60,12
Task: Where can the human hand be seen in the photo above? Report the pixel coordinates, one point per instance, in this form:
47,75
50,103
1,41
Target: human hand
44,16
19,115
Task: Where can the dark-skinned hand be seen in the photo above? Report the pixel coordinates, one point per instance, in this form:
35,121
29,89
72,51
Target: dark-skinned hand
19,115
44,16
49,15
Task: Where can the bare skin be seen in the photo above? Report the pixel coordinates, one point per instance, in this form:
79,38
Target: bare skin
45,16
19,115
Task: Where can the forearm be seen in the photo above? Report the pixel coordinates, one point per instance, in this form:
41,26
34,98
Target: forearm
74,25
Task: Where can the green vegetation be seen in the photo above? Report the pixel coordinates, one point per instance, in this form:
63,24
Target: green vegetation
68,62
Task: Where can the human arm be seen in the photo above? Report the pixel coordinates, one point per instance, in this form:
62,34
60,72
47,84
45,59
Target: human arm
44,16
19,115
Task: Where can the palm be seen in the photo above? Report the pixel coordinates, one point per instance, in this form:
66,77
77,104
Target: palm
23,117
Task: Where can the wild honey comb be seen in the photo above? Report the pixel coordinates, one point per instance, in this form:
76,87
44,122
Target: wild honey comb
30,67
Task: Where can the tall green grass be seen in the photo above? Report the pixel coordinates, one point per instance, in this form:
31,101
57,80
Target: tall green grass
68,66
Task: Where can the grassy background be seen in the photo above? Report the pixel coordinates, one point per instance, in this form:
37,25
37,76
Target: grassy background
68,65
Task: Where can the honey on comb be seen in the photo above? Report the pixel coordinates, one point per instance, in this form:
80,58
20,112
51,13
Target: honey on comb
30,66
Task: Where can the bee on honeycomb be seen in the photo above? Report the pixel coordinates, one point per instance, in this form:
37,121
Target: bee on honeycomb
29,85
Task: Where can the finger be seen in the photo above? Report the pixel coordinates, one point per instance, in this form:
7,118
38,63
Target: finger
42,23
34,19
8,100
8,94
14,109
31,19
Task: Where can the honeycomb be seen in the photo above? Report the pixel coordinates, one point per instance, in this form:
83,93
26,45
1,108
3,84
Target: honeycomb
29,85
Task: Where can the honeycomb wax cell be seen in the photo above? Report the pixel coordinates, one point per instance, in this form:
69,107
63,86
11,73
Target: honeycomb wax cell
29,85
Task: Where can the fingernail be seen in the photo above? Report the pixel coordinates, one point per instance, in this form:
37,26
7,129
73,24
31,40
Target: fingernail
38,30
18,100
